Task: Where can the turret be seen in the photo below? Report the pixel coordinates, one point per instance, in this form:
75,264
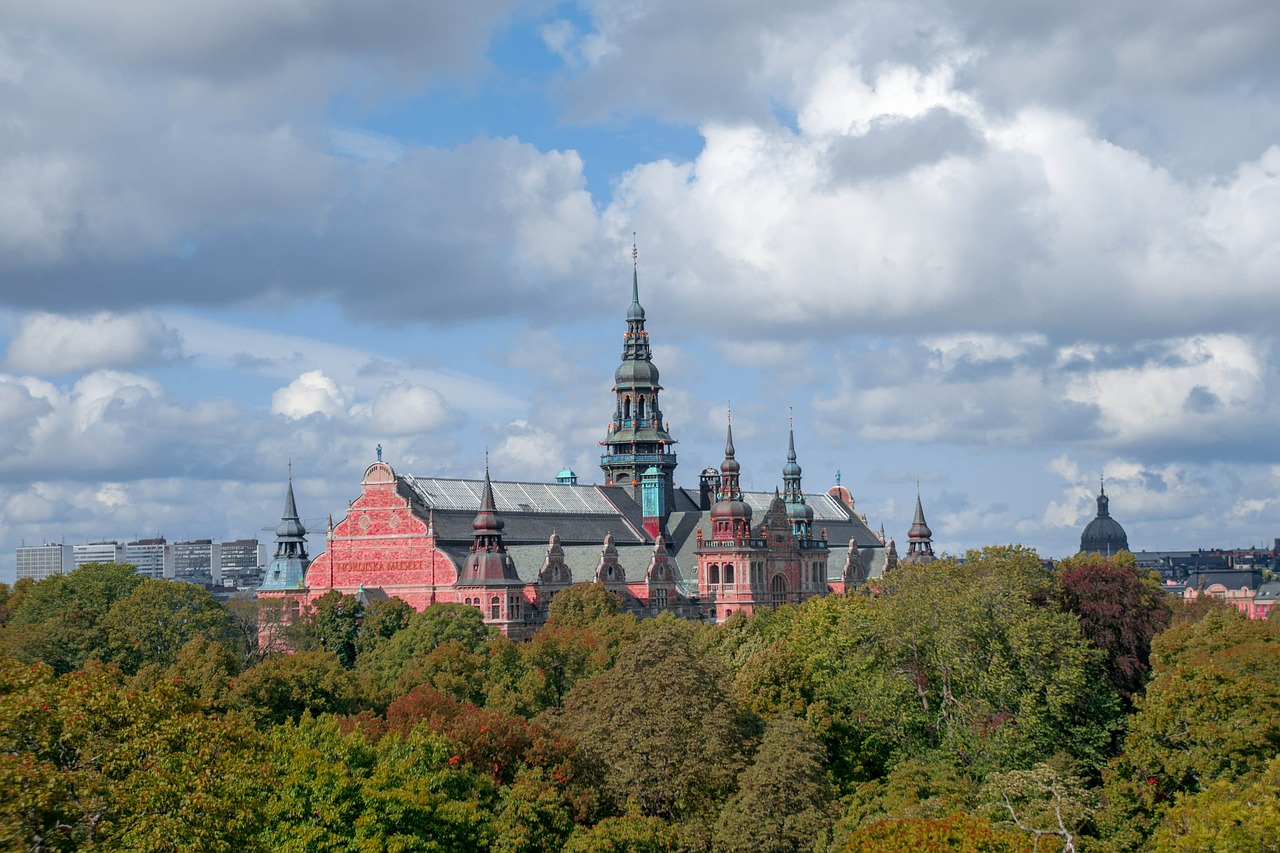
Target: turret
288,567
488,563
731,515
920,537
799,513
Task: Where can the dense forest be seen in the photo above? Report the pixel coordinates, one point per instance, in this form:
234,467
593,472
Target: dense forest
988,704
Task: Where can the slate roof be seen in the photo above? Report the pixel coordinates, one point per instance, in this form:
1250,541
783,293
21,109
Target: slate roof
1268,592
583,515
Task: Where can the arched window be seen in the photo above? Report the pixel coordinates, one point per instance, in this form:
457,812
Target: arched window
640,407
778,590
495,608
728,573
626,408
713,574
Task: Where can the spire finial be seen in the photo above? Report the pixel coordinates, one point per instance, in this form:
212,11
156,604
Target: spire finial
1102,484
837,476
635,253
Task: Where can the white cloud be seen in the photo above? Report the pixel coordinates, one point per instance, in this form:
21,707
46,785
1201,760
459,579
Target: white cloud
1204,386
529,453
403,409
311,393
57,344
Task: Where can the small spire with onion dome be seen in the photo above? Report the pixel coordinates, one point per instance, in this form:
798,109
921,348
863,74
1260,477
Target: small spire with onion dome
920,537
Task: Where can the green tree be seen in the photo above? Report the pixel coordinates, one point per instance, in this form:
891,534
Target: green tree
87,762
559,656
1054,808
956,834
1228,816
156,619
532,816
1002,678
784,799
332,623
629,834
926,787
341,792
582,604
437,624
287,687
205,670
1211,713
382,620
247,615
58,620
663,724
8,601
450,667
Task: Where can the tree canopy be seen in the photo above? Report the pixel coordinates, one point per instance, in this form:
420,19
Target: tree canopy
989,704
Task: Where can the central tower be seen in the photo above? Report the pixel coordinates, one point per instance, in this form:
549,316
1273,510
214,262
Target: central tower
638,439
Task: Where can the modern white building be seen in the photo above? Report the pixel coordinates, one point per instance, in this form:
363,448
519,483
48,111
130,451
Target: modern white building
98,552
153,557
41,561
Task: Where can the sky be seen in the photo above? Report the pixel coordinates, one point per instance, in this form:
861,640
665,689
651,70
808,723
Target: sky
1001,249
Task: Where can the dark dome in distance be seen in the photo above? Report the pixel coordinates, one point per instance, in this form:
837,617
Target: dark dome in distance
1103,535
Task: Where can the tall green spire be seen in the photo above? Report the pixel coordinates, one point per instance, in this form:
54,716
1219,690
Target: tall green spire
637,437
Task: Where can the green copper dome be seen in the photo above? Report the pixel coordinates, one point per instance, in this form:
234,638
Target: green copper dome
636,373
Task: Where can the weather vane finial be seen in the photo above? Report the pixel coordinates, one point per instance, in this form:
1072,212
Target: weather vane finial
635,253
729,411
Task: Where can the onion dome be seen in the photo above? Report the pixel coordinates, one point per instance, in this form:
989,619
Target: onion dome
636,373
729,502
635,312
1104,535
800,513
792,469
729,465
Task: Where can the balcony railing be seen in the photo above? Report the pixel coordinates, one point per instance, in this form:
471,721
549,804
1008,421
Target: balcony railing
638,458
